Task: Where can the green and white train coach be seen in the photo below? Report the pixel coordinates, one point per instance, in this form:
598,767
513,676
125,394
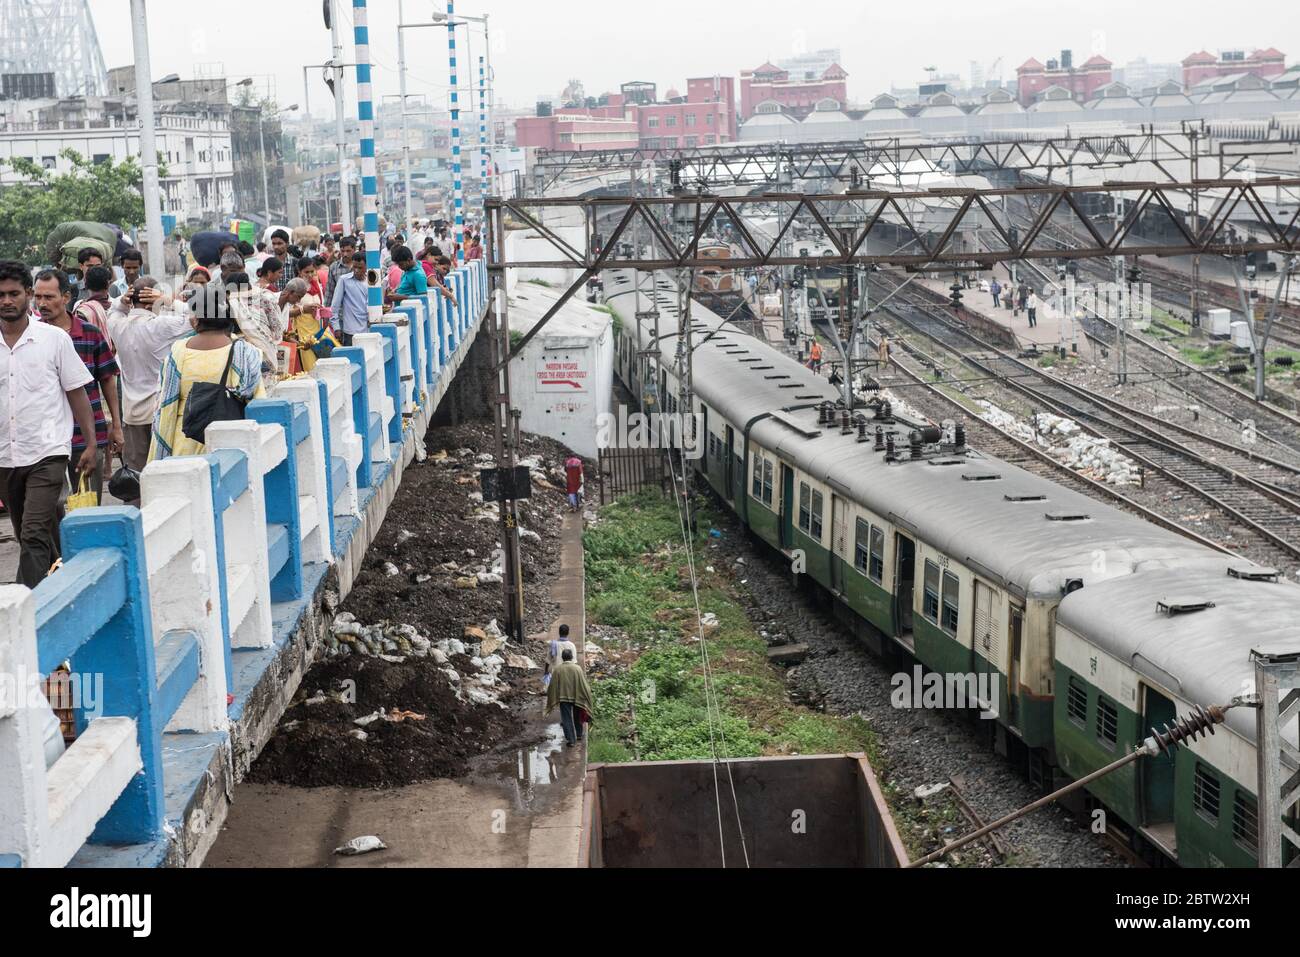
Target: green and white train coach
970,566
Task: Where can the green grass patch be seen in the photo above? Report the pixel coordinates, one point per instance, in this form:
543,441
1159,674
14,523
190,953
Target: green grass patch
657,709
541,282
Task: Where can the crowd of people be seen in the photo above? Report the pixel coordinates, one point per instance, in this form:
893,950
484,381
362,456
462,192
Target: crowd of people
98,361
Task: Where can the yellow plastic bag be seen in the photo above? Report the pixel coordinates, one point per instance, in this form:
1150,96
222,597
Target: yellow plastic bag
84,497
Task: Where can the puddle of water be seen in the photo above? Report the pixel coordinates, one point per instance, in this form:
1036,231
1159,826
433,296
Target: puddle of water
538,764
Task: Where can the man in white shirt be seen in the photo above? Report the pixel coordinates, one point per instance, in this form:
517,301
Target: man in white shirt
42,388
555,650
143,327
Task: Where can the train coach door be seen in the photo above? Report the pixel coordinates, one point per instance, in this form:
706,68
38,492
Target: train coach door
839,534
904,583
1017,629
987,648
1157,773
787,506
730,481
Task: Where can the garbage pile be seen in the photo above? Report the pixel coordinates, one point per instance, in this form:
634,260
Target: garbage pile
1065,441
487,650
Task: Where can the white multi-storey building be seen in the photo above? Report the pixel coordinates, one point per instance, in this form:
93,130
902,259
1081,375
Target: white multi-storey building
195,148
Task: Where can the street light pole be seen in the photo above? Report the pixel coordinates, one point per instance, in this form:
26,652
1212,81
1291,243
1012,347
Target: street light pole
148,145
406,139
261,139
345,200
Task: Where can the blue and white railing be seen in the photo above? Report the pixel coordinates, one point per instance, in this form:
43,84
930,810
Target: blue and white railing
151,604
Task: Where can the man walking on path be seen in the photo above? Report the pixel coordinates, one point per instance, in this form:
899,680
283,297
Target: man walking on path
1031,307
555,650
996,289
42,390
573,477
52,297
569,689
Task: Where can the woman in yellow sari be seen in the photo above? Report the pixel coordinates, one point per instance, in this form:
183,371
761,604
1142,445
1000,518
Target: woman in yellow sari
202,357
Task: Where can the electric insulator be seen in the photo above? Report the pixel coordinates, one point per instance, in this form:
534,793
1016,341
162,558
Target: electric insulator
1184,730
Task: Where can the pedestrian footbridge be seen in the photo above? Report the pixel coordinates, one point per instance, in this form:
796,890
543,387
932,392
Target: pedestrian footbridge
187,623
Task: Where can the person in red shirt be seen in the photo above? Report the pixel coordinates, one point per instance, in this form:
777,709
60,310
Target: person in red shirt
573,477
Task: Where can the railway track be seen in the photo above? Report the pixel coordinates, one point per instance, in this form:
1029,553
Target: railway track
992,440
1270,509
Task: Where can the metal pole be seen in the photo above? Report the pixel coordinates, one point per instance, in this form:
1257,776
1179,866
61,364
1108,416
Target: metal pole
369,177
1192,140
457,187
1268,747
1121,323
148,146
266,193
505,435
340,125
406,141
482,129
492,95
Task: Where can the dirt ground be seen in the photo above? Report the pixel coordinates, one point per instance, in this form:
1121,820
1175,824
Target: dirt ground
421,587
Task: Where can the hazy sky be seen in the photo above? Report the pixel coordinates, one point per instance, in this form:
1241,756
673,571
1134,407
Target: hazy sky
539,46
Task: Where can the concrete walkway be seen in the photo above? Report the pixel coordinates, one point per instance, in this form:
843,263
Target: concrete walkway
1052,329
519,807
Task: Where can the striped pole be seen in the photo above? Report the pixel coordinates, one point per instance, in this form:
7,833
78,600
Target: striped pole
457,187
369,178
482,129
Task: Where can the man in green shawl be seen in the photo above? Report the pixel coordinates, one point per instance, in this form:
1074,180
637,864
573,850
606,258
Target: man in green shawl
569,689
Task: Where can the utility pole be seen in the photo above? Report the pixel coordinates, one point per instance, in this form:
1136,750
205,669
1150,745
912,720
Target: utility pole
369,170
504,429
1193,139
148,146
406,139
457,186
1259,337
1277,687
340,125
1121,323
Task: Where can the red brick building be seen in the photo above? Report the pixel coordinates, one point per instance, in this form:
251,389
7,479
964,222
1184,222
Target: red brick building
705,116
1203,65
771,84
1083,81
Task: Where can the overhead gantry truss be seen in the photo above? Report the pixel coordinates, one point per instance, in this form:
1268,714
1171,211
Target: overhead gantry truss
928,229
869,161
920,229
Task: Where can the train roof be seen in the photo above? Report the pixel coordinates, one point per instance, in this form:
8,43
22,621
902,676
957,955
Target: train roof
1202,655
1014,527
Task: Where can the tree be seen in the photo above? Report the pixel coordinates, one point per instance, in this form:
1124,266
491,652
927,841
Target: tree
104,192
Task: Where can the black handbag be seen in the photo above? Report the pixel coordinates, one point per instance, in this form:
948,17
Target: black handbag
212,402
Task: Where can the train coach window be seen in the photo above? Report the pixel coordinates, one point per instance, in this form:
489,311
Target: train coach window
861,546
816,531
805,507
767,482
1107,723
877,568
1245,820
758,478
950,587
930,603
1076,702
1205,793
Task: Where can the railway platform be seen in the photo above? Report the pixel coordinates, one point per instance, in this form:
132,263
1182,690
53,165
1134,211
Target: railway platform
1053,328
